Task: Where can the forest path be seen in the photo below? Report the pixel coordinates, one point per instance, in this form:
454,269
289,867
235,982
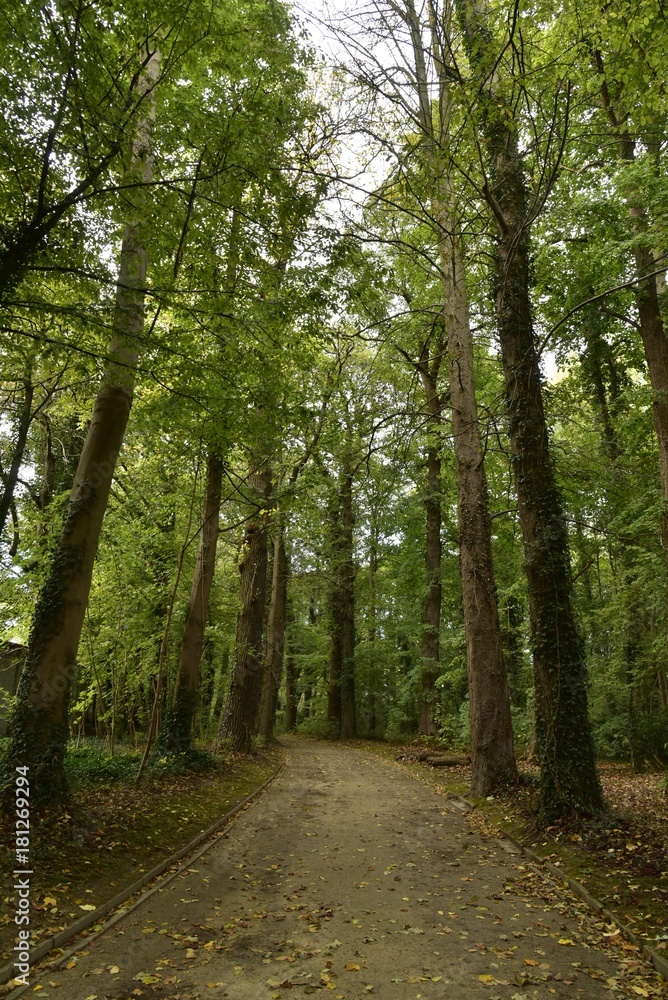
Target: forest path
351,877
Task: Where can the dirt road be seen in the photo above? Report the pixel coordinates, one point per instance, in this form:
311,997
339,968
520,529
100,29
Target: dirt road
352,878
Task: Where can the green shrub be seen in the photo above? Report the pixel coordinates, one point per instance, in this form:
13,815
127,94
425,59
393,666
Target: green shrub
90,764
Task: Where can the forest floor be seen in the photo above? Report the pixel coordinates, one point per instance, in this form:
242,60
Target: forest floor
349,876
113,832
621,859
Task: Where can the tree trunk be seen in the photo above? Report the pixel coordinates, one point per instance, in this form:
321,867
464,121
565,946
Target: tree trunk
430,645
12,476
238,721
348,706
341,708
176,732
569,782
492,751
40,726
290,687
273,667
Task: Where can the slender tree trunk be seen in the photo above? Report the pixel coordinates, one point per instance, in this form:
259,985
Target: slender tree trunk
290,690
569,782
348,706
430,645
176,733
373,669
40,727
335,619
238,721
11,478
492,749
273,667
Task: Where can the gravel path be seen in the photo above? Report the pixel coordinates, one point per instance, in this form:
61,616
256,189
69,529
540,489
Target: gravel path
351,877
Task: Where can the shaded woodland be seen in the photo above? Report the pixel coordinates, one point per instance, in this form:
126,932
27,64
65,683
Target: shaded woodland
334,382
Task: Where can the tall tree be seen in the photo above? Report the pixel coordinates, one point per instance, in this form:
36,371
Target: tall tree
39,730
569,781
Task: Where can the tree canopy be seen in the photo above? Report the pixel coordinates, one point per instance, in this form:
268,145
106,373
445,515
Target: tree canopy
334,377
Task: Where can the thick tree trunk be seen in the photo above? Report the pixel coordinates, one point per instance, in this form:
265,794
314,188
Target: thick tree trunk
238,721
569,782
492,751
12,476
176,732
273,667
40,726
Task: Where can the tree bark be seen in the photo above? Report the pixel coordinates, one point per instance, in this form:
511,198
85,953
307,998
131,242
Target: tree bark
176,732
290,690
348,705
341,706
569,782
430,644
238,721
492,751
273,667
40,726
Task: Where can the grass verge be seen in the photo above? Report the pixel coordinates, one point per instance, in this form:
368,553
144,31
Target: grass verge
114,831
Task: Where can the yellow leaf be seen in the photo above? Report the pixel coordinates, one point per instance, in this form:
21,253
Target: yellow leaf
566,941
114,970
530,961
352,967
209,946
87,906
640,991
486,979
50,900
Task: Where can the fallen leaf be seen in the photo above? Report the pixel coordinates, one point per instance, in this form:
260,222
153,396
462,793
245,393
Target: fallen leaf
352,967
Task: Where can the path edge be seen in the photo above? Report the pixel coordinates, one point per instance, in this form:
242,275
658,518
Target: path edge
660,964
105,909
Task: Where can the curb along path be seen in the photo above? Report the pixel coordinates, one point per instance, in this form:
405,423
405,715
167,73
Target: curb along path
68,934
349,876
